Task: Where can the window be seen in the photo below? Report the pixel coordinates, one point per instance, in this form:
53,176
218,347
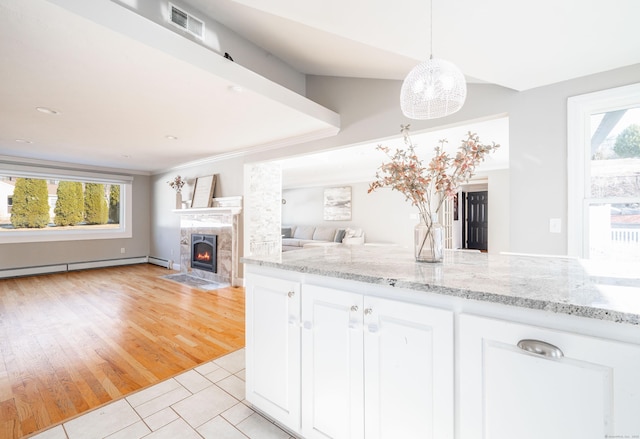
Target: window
604,174
42,204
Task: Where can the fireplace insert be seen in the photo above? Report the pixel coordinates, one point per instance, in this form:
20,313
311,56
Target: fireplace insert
203,252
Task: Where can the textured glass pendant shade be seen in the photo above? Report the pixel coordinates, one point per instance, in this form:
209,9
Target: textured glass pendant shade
433,89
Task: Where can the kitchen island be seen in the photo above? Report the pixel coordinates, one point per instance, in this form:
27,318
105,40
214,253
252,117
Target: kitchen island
359,341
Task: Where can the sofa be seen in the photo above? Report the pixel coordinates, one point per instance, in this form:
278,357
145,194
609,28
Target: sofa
295,237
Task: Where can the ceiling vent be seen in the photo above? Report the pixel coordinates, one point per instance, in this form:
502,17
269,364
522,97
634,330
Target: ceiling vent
186,21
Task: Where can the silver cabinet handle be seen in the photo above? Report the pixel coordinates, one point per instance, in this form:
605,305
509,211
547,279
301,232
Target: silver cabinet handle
541,348
354,308
291,294
368,311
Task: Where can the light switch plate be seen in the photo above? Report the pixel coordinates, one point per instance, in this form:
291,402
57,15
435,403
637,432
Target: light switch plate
555,225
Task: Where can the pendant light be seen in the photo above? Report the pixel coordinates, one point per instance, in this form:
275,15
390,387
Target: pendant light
434,88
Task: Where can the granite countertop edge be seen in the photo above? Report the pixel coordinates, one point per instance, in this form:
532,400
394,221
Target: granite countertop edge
464,293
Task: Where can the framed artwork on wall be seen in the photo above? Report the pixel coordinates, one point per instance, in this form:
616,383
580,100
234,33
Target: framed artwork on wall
203,192
337,203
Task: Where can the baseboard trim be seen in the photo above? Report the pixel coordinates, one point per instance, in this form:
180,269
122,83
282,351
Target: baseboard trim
60,268
166,263
107,263
32,271
157,261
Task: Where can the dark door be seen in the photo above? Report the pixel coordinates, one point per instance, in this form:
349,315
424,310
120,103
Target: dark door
477,222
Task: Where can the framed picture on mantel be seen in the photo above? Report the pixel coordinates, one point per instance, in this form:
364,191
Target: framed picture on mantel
203,192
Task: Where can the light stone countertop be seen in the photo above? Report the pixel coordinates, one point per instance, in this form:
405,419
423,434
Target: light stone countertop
599,290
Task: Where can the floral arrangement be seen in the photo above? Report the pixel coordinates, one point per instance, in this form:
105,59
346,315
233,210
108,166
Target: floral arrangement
177,183
428,187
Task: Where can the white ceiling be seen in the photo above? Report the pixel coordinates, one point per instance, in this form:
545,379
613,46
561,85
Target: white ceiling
121,92
358,163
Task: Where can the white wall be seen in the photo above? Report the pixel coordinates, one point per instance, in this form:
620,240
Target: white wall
499,211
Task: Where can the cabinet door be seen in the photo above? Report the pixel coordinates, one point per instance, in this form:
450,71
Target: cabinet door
273,348
408,355
590,392
332,364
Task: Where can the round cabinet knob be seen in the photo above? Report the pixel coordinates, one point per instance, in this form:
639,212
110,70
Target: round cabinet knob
368,311
354,308
291,294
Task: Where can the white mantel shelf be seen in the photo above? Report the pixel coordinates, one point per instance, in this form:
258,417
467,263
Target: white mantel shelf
209,210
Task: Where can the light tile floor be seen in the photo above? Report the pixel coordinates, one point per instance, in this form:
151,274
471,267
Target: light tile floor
206,402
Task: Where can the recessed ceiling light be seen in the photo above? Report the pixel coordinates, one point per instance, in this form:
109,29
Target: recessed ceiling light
236,88
47,110
171,137
23,141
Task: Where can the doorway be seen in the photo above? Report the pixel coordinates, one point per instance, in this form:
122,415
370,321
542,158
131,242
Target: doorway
476,229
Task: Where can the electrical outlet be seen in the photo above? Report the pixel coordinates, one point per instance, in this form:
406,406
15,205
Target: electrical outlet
122,250
555,225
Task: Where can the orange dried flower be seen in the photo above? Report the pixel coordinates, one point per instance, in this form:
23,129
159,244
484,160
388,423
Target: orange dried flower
427,187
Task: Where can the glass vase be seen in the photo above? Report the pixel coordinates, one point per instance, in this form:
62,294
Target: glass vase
178,200
428,240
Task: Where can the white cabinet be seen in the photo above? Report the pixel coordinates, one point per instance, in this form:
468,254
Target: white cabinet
409,370
332,364
590,389
374,367
273,348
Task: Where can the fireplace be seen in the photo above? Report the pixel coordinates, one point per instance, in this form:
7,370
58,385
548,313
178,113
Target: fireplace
204,252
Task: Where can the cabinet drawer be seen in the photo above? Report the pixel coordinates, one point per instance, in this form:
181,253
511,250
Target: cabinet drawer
529,382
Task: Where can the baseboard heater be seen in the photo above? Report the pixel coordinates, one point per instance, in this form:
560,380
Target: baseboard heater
157,261
48,269
166,263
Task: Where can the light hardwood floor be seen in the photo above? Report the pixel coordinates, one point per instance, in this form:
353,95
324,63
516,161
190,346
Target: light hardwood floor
73,341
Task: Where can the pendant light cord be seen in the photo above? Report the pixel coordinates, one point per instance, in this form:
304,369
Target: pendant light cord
431,29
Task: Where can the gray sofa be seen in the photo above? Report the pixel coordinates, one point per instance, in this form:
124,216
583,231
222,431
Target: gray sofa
296,237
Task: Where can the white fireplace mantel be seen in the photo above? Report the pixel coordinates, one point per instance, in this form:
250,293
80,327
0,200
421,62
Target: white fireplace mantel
221,206
209,210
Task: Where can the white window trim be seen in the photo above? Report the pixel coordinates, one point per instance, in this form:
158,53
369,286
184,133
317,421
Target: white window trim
579,110
126,200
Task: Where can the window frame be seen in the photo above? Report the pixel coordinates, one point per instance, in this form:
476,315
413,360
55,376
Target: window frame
579,111
69,174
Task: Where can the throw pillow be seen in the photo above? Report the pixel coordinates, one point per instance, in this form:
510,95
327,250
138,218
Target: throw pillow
339,235
304,232
286,232
324,233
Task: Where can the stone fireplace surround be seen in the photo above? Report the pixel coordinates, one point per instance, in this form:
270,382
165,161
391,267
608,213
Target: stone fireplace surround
220,221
